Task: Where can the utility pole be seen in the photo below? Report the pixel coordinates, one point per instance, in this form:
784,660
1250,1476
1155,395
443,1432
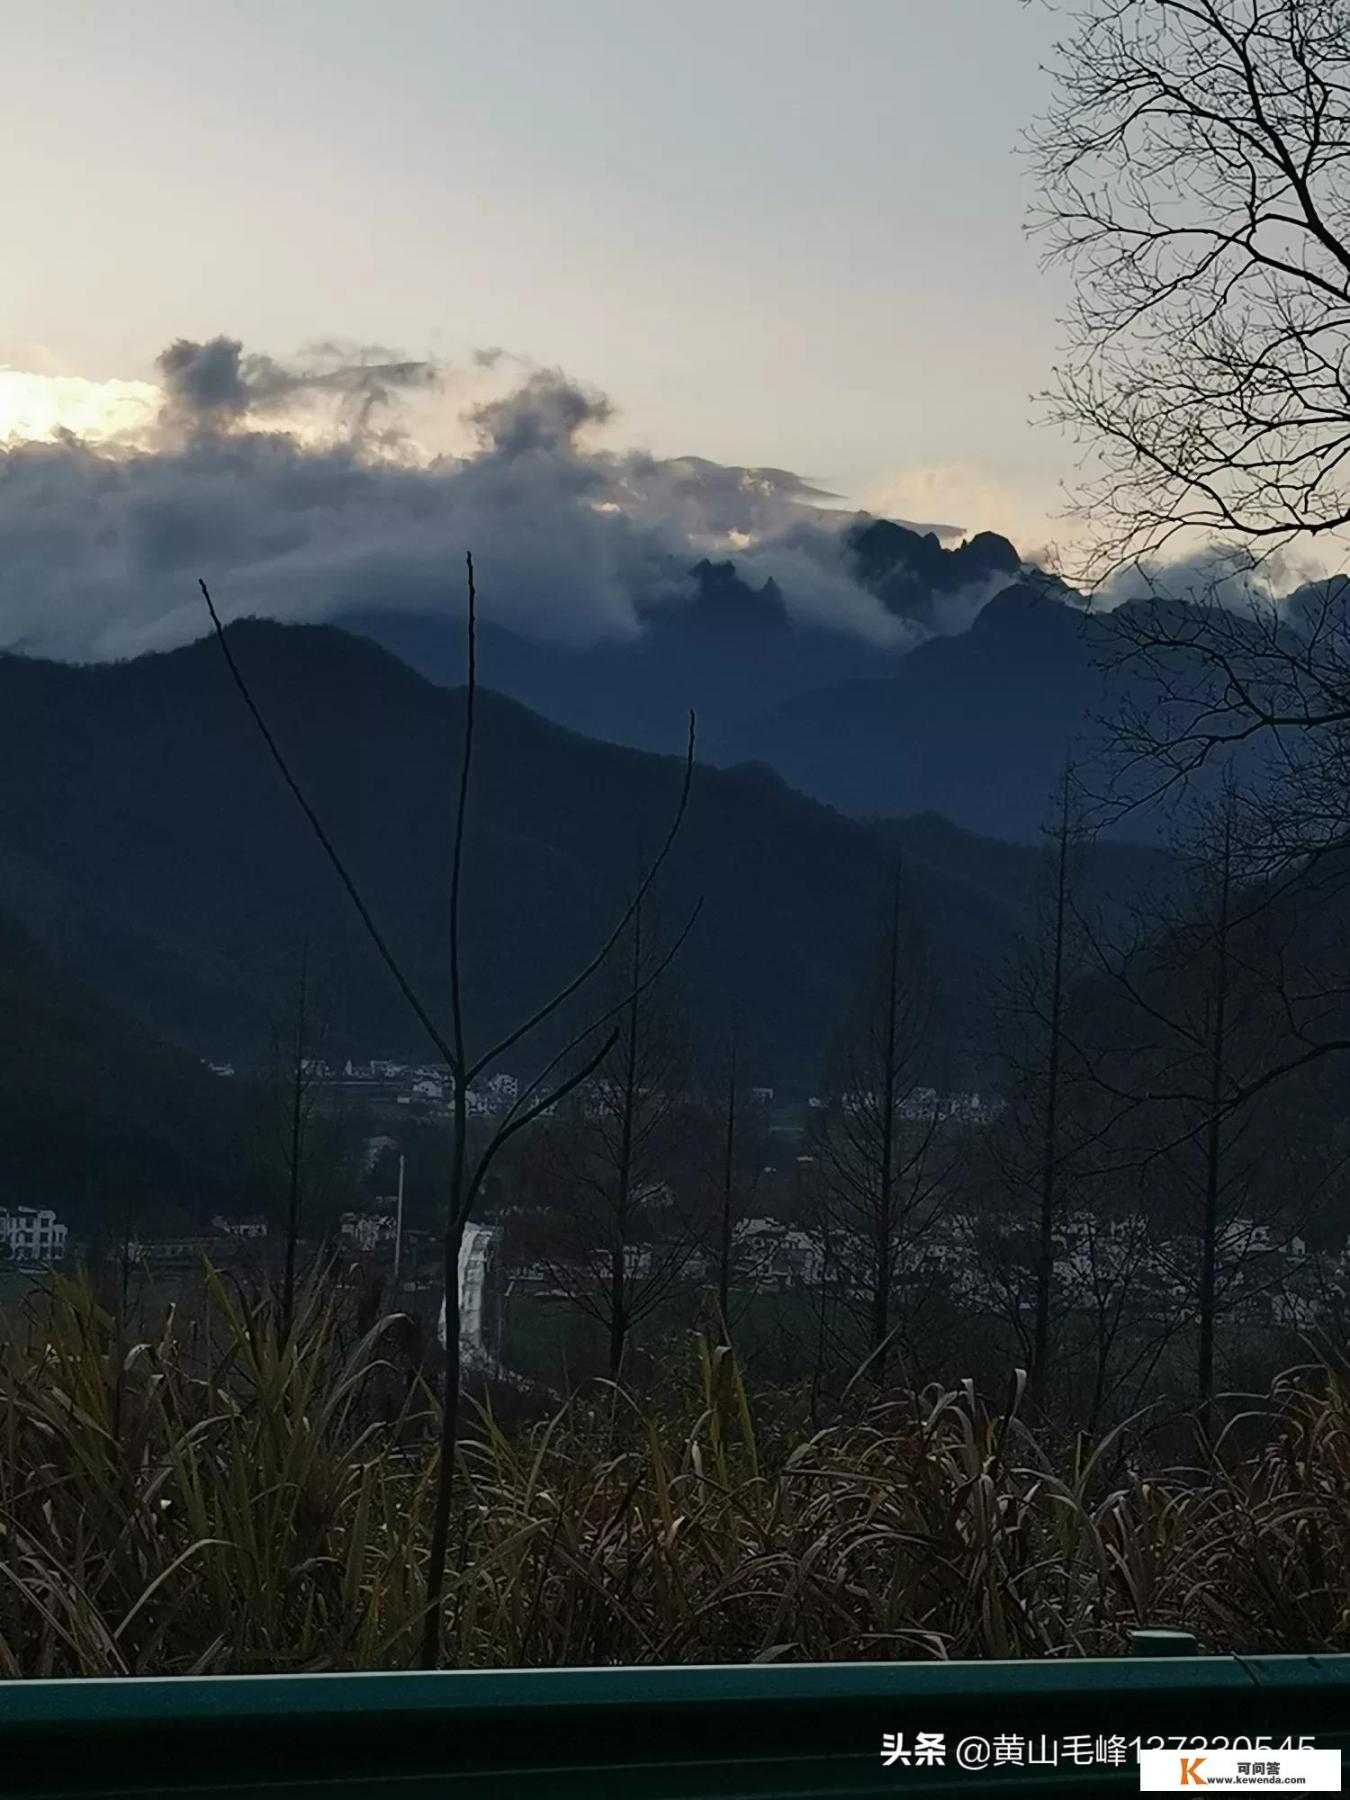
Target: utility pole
398,1223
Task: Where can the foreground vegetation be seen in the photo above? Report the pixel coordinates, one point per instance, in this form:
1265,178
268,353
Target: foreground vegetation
214,1498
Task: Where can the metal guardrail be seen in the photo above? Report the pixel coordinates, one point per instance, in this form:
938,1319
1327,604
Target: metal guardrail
774,1732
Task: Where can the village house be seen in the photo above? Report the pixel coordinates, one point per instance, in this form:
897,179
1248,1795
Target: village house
772,1254
33,1233
368,1231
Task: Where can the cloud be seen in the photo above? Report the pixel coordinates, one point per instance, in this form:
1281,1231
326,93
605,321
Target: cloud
37,407
300,511
974,496
1210,574
297,489
213,386
1234,577
545,414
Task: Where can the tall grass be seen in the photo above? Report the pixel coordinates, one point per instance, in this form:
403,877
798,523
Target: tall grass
222,1496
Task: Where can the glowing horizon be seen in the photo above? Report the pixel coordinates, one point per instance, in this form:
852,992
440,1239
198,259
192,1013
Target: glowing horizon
37,408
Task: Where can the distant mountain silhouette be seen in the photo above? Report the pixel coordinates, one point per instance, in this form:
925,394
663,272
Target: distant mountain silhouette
913,574
146,841
732,650
729,651
971,717
975,727
97,1117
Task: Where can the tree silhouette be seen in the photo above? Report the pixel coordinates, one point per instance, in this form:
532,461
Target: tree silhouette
1191,170
535,1097
877,1140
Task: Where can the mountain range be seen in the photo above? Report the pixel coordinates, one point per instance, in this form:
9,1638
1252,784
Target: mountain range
158,886
969,710
999,673
975,726
148,845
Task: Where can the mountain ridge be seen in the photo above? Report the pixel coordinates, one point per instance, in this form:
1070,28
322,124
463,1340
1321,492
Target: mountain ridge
148,843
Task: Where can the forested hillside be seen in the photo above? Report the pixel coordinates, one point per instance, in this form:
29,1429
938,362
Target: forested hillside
99,1118
149,845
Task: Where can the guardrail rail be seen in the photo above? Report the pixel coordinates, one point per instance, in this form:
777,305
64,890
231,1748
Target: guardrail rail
775,1732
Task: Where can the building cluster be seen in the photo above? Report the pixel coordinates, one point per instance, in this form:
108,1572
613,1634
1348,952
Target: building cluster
224,1236
769,1254
32,1234
426,1086
414,1085
923,1104
418,1085
981,1265
1266,1276
369,1231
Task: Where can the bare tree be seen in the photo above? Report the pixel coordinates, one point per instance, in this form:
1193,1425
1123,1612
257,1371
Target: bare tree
1117,1285
468,1172
1054,1058
620,1232
1035,1138
1192,174
1193,182
1187,1026
1215,1036
727,1199
734,1152
300,1067
881,1177
301,1130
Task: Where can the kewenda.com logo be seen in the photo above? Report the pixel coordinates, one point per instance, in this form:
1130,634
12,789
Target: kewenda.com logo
1186,1769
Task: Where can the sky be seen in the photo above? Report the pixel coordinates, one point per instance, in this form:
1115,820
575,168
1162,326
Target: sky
772,233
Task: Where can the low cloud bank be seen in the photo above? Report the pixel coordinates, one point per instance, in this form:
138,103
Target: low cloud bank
297,491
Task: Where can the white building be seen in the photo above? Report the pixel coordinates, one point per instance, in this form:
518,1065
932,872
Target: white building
255,1227
774,1255
499,1095
33,1233
368,1231
919,1103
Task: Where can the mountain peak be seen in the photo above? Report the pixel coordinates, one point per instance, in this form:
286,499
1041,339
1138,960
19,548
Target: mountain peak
906,570
1040,595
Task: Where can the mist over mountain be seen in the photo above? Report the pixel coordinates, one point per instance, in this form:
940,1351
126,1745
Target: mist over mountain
301,492
728,648
916,577
880,668
974,725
